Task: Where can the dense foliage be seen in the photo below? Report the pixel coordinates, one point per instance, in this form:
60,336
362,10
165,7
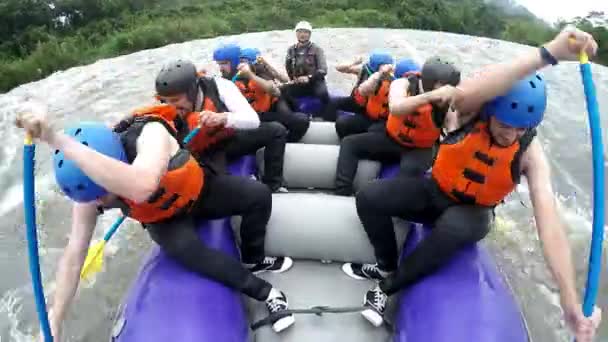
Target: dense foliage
42,36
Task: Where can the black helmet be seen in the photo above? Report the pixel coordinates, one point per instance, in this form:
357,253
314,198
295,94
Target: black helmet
177,77
437,69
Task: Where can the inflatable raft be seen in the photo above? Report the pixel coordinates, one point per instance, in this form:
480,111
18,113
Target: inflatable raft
467,300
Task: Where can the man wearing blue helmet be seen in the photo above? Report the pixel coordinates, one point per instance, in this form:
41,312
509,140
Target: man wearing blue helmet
256,83
232,144
161,185
306,67
371,93
476,166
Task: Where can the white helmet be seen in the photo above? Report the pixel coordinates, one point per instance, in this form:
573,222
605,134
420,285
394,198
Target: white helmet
304,25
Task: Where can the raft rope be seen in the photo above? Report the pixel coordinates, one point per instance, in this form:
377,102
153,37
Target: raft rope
316,310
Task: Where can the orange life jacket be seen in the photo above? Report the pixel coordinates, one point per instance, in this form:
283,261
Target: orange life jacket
207,136
420,129
376,105
180,187
471,169
260,100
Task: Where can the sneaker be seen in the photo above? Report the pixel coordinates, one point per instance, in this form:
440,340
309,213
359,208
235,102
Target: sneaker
281,190
364,271
272,264
375,305
277,303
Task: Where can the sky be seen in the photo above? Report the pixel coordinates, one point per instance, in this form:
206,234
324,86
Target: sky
551,10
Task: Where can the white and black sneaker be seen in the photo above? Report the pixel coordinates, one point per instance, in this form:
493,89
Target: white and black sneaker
364,271
281,190
272,264
375,305
277,302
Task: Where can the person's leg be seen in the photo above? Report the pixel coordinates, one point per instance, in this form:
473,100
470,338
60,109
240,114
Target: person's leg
179,240
319,90
270,135
296,123
377,203
225,196
414,162
370,145
352,124
459,226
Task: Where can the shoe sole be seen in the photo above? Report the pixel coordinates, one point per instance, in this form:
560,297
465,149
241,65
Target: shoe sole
283,323
373,317
287,264
349,272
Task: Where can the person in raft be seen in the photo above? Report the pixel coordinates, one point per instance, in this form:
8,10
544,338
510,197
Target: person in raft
476,166
258,86
166,189
407,138
224,143
306,67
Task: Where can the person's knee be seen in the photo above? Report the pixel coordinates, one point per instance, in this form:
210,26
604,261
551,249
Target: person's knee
368,197
257,194
275,129
469,225
342,125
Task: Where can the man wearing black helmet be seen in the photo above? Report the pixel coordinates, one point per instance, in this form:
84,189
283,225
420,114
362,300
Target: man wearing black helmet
230,128
307,67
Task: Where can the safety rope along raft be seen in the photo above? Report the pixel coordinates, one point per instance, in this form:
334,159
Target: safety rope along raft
29,206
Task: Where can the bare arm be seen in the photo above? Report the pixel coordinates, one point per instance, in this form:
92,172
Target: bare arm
137,181
550,229
349,69
398,101
84,219
275,73
267,85
368,87
497,80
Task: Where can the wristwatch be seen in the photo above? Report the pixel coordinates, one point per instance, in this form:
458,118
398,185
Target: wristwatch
547,56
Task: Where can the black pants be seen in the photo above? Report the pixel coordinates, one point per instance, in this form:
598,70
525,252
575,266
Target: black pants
316,88
345,103
296,123
377,145
222,196
358,123
272,136
417,200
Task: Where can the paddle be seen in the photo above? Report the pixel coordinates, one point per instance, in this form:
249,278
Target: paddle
597,150
29,206
94,260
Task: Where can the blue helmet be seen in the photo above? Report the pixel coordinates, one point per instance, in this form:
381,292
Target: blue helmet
228,52
250,54
378,58
73,182
405,65
523,106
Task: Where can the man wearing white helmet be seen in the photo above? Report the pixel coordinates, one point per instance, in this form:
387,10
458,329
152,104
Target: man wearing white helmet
306,67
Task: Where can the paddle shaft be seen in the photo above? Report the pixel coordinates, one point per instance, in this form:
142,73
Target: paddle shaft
595,254
29,206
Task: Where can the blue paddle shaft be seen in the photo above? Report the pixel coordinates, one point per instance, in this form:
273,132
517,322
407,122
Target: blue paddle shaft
595,255
32,239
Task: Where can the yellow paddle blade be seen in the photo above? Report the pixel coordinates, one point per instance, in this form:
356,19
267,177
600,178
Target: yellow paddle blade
94,260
